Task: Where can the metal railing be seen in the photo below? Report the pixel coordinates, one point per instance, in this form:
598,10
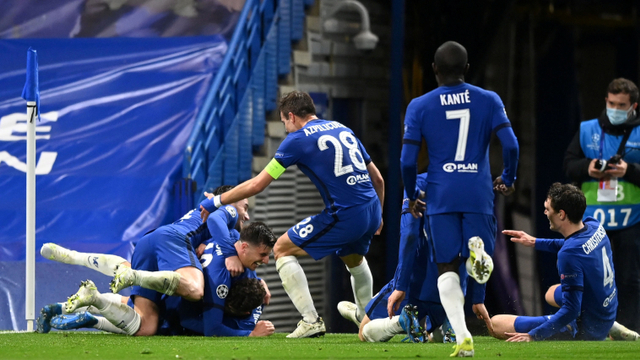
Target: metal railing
232,120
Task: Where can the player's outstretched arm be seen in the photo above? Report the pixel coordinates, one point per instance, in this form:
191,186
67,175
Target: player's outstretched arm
481,313
521,237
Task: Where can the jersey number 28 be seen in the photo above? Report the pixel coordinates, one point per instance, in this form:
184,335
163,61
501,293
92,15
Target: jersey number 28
350,143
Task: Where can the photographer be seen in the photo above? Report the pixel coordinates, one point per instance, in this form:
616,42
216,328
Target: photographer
603,158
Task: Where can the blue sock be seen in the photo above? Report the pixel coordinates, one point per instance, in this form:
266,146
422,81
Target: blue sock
524,324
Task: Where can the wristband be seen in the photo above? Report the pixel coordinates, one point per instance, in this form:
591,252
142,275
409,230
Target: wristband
217,201
209,205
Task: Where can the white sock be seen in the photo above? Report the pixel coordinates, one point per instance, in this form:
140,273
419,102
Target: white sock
362,285
110,297
165,282
122,317
104,325
295,284
103,263
382,329
452,300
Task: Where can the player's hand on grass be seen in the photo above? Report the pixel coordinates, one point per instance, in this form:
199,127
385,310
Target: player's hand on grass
267,296
394,301
233,264
518,337
263,328
481,312
499,185
521,237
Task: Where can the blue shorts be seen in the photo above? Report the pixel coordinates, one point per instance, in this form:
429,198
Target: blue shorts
160,250
598,331
451,232
346,233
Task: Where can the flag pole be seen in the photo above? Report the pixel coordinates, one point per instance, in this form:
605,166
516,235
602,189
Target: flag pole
32,95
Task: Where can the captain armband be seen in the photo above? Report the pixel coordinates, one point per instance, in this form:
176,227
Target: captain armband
274,169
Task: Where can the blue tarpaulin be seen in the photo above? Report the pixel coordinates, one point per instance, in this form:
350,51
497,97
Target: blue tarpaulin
115,117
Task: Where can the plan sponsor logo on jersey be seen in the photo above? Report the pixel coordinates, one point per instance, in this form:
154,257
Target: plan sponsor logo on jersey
231,210
465,168
222,291
358,179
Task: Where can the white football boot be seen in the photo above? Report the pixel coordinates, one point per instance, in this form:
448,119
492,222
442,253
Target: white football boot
479,264
348,311
307,330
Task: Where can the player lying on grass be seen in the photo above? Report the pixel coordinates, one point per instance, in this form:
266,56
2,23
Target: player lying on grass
587,294
242,310
172,268
415,282
204,317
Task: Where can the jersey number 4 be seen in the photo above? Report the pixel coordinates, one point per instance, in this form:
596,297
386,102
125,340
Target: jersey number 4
608,270
464,115
350,143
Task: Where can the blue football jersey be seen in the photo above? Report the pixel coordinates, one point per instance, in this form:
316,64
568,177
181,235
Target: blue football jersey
334,159
206,316
585,262
457,123
585,267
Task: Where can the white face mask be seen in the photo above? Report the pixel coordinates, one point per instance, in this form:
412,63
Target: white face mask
617,117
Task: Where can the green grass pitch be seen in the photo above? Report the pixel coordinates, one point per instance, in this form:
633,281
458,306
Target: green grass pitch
95,345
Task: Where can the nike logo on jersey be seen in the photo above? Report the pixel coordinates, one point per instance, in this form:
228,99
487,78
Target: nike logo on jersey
454,99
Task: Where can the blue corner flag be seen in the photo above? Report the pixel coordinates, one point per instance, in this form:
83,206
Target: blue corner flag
31,91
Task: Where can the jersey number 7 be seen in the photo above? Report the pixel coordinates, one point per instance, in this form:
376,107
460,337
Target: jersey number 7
464,115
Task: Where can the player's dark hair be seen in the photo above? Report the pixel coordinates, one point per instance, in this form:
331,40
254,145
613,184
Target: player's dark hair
244,296
297,102
569,198
451,59
622,85
222,189
258,234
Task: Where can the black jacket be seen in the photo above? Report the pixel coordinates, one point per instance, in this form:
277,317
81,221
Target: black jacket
576,165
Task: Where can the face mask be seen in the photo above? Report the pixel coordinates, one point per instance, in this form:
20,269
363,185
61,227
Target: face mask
617,117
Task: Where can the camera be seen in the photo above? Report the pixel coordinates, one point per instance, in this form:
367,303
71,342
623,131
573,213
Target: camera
603,165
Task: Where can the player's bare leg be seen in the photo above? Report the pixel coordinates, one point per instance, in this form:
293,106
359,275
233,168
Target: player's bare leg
187,282
295,284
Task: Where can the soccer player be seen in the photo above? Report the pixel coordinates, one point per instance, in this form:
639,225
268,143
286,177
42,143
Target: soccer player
353,192
386,315
587,277
585,251
457,120
205,317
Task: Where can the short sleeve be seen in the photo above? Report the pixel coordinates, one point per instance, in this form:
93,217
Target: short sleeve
499,113
412,123
288,152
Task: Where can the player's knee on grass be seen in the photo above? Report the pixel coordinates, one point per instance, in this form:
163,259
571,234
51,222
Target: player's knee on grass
503,324
191,286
